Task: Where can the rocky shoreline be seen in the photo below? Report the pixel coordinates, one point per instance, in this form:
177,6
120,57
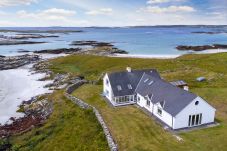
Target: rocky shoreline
36,112
96,48
27,36
201,48
17,61
42,31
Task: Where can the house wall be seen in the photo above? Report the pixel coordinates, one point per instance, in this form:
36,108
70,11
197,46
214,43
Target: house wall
208,113
165,117
143,103
107,88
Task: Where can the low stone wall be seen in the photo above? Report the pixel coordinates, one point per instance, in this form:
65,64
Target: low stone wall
82,104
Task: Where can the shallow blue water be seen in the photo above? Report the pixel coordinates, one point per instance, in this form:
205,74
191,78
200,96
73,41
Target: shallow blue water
140,40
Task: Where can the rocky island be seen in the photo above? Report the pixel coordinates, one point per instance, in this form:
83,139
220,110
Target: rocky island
209,32
15,42
94,48
201,48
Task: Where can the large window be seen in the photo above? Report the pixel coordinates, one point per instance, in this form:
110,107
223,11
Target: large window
194,120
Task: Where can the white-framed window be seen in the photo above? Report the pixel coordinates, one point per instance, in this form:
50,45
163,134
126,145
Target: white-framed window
148,103
107,93
194,120
159,111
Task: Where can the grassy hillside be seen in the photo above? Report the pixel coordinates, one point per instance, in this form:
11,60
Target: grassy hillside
70,128
134,130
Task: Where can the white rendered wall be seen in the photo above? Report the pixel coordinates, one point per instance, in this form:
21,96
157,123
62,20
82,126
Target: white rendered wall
208,113
143,103
165,117
108,88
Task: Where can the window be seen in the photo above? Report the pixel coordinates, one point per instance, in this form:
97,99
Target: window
146,80
197,103
131,98
130,86
189,120
200,119
138,99
127,98
150,83
159,111
148,103
107,93
119,88
107,82
197,119
193,120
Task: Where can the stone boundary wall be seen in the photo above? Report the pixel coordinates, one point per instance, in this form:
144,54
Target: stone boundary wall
112,145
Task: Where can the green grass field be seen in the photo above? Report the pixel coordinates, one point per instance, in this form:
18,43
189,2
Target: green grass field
134,130
70,128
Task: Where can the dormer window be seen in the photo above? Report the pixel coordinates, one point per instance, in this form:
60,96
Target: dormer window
130,86
119,88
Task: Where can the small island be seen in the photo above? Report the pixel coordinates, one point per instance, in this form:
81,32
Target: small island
201,48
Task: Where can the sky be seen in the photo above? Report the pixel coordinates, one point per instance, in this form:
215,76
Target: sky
83,13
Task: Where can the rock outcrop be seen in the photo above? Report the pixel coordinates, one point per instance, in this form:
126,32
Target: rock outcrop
201,48
18,42
59,51
17,61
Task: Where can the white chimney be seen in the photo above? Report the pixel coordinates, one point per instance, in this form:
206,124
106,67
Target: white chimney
129,69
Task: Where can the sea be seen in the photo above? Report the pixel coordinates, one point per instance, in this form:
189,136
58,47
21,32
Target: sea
144,40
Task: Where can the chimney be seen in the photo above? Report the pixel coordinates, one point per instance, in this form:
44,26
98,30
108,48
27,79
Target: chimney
129,69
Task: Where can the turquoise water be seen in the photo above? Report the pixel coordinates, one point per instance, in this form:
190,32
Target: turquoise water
157,40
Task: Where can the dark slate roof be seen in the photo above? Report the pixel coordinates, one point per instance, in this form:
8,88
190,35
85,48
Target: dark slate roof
124,78
173,98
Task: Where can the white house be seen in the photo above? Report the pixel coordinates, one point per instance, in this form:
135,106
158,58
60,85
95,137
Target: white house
176,107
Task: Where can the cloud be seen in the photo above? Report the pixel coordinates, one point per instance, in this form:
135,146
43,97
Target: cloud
169,9
49,14
5,3
162,1
102,11
48,17
157,1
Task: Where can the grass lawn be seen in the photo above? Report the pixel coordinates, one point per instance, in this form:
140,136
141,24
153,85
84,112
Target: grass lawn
134,130
69,128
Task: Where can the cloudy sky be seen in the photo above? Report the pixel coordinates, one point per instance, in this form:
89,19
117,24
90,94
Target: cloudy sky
111,12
